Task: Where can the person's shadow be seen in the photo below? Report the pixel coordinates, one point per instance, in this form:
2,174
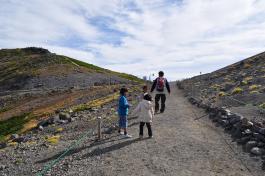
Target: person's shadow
95,152
77,150
101,151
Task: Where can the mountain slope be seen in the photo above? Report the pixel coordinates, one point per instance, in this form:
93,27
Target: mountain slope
35,84
30,68
239,84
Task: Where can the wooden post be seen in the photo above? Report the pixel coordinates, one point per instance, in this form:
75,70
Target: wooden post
99,128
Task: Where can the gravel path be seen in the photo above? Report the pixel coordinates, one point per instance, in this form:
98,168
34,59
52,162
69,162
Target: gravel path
181,146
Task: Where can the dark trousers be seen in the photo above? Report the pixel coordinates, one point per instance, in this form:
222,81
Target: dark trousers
148,127
163,100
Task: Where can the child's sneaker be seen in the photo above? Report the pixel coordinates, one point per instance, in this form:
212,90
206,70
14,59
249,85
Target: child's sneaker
127,136
140,137
120,132
150,137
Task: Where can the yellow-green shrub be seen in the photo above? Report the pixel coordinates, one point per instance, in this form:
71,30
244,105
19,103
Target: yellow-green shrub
254,92
215,87
244,82
53,139
254,87
262,105
59,130
237,90
221,94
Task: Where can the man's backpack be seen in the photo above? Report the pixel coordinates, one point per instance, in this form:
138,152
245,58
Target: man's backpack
160,85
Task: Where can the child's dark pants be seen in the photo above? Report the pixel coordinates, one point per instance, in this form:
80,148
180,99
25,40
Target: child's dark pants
163,100
148,127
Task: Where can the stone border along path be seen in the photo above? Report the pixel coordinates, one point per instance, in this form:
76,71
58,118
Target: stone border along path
181,146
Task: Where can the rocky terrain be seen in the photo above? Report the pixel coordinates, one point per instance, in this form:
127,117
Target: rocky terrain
234,98
181,146
26,154
35,84
243,81
47,101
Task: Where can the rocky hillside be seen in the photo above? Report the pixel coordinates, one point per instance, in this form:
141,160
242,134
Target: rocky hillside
35,84
242,83
37,68
234,98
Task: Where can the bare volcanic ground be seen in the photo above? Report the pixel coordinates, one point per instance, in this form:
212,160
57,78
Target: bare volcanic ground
240,86
181,146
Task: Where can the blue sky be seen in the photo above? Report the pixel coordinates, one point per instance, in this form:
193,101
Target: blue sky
140,37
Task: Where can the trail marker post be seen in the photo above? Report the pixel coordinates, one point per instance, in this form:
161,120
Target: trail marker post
99,127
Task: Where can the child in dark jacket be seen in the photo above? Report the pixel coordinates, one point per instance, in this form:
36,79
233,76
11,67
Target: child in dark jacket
123,111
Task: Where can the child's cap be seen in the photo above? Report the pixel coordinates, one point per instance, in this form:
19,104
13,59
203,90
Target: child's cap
147,97
123,90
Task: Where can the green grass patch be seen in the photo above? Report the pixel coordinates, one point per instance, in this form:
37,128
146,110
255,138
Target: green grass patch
102,70
86,65
129,77
13,125
4,109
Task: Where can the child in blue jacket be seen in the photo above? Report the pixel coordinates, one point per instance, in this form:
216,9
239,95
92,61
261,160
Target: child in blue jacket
123,112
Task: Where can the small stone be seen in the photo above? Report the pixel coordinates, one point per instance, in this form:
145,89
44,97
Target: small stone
62,121
14,136
2,167
41,128
257,151
250,124
250,144
248,132
64,116
20,139
244,140
46,122
262,131
259,137
71,119
261,144
225,123
3,145
93,109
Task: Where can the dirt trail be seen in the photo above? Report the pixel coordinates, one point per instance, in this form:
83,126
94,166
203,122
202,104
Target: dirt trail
181,146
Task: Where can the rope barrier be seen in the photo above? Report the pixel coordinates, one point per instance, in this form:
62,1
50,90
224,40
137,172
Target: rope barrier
48,166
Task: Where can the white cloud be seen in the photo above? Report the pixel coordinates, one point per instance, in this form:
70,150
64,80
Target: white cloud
182,38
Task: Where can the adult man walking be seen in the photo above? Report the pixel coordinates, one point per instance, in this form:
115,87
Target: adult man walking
159,85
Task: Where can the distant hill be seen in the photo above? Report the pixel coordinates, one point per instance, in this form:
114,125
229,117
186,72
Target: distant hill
243,81
37,82
37,68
